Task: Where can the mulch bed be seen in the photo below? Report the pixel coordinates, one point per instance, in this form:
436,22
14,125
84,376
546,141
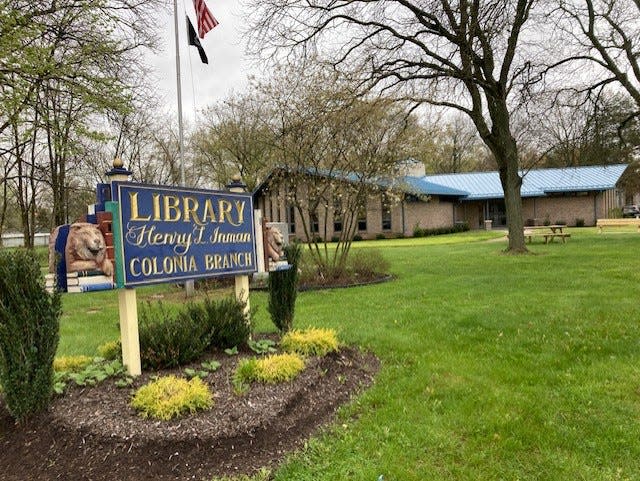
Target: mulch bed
93,434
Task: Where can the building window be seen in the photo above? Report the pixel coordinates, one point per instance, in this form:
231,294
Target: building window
337,214
362,218
315,223
386,212
291,218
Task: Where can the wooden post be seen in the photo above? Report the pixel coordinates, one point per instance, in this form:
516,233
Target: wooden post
127,302
242,281
129,338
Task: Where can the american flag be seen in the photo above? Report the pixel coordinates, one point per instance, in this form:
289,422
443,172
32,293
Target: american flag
206,21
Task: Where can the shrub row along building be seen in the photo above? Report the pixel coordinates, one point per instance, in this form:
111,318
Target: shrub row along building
572,196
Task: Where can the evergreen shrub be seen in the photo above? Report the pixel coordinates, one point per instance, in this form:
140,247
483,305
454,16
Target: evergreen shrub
29,334
169,397
283,290
171,338
227,322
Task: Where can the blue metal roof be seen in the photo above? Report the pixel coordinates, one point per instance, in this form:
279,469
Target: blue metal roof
421,186
486,185
535,183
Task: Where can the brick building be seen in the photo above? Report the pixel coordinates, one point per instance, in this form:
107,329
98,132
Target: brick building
575,196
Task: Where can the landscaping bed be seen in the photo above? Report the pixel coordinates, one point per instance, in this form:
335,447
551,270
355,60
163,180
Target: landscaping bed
92,433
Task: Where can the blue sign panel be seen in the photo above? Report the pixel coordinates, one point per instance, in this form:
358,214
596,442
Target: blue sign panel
171,234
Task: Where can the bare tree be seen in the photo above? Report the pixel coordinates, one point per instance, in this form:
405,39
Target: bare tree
234,138
333,149
603,35
464,55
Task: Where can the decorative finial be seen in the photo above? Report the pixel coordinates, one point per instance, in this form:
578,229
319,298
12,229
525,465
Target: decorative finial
237,178
117,163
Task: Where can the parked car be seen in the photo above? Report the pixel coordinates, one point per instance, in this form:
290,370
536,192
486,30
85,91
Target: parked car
630,210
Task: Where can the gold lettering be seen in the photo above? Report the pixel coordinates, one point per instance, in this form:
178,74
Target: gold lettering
190,207
240,209
224,206
156,206
209,213
134,267
133,198
171,208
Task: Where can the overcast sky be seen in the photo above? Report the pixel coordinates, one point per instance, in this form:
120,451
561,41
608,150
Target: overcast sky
202,84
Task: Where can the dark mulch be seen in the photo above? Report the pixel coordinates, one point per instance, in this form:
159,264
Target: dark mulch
93,434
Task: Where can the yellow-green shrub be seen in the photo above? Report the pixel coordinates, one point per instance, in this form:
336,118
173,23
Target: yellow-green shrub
170,396
310,342
271,369
71,363
110,350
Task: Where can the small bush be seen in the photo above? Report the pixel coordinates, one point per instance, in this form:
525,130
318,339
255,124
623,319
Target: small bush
310,342
170,339
169,397
380,236
579,222
71,363
227,323
367,263
177,337
283,290
357,238
110,350
29,334
270,370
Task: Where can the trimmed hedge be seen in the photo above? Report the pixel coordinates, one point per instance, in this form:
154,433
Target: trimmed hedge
420,232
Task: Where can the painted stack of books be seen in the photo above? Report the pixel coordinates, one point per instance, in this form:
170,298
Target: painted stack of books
85,281
50,283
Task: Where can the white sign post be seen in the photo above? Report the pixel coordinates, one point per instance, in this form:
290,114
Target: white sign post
127,302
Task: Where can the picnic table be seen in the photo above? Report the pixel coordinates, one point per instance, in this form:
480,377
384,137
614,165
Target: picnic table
547,232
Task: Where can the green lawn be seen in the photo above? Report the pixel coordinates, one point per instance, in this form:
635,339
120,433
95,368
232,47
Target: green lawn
493,366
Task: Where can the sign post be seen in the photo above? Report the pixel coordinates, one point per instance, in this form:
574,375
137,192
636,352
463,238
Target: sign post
241,281
127,301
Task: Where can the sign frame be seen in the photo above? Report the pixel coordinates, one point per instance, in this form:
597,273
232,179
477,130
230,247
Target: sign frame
177,234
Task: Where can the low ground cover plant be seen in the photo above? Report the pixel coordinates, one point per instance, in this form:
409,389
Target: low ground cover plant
71,363
310,342
95,371
270,370
170,396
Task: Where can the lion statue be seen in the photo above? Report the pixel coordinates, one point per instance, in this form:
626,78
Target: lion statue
274,242
85,249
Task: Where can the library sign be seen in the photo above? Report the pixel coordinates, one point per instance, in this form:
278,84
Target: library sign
169,234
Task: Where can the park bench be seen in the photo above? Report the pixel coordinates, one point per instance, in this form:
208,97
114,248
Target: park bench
617,223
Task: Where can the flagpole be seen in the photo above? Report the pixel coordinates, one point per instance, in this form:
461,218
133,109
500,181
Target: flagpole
179,88
189,286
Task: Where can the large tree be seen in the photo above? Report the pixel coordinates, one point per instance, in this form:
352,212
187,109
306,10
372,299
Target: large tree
464,55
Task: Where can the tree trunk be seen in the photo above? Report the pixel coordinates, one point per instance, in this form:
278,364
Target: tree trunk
511,184
505,150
